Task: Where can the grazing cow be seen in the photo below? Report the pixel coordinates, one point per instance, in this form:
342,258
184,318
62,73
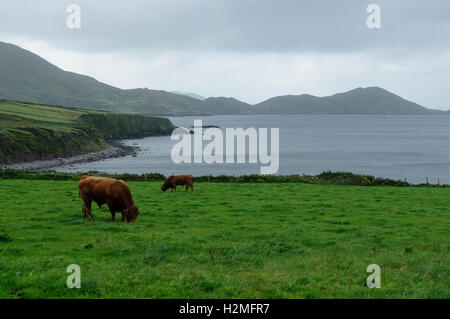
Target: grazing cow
174,180
109,191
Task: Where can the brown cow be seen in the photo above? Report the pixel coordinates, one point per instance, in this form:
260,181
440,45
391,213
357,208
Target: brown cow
111,191
174,180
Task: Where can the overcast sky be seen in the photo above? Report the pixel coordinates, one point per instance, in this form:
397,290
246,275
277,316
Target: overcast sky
248,49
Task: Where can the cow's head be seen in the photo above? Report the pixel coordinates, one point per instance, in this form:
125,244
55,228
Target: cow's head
164,187
131,214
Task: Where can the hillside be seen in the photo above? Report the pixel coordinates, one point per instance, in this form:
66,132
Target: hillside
25,76
224,105
371,100
31,132
292,104
193,95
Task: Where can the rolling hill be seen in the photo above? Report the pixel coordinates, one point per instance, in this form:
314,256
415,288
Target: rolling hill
371,100
226,105
24,76
31,132
193,95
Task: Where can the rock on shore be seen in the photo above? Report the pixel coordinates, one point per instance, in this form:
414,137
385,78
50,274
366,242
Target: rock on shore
115,149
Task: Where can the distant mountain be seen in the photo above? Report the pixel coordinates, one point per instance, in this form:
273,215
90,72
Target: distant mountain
192,95
292,104
226,105
371,100
25,76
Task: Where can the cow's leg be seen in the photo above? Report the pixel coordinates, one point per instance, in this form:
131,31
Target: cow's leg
87,201
84,210
123,217
113,212
88,208
187,186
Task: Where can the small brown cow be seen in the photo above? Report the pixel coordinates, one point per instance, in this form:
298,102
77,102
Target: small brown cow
174,180
109,191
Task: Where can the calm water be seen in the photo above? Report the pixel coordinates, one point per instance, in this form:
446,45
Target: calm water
412,146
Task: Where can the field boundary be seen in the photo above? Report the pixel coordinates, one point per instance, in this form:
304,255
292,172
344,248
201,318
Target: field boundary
332,178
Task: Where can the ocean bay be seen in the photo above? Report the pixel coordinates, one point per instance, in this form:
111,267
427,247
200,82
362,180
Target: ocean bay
414,147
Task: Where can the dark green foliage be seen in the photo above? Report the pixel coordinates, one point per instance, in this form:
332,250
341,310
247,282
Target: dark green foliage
337,178
122,126
51,175
5,238
355,179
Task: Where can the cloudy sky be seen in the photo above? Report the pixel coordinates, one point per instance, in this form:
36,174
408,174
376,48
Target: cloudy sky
248,49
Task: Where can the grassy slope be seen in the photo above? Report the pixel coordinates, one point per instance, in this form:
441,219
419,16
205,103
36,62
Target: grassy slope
267,240
30,131
27,77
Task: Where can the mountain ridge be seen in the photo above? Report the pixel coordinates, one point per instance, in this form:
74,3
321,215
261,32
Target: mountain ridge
193,95
25,76
370,100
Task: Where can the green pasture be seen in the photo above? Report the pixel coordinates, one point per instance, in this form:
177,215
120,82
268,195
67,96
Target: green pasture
227,240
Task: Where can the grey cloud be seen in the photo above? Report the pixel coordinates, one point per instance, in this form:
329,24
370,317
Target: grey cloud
250,49
232,25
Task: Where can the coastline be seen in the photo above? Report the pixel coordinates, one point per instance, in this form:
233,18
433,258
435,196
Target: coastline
116,149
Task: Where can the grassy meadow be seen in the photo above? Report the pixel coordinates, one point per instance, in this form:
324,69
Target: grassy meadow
35,132
227,240
31,132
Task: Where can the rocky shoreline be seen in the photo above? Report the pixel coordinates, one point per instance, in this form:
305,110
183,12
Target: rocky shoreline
116,149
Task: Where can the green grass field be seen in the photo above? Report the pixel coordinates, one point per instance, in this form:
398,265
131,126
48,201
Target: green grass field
33,132
227,240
